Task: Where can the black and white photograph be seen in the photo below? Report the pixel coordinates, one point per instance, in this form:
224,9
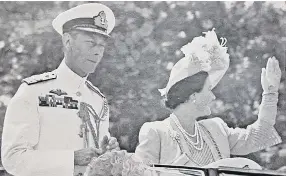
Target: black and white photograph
143,88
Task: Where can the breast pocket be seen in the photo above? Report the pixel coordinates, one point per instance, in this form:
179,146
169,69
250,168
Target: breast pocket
59,128
58,114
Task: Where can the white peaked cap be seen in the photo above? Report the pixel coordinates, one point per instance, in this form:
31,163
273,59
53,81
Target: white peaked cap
91,17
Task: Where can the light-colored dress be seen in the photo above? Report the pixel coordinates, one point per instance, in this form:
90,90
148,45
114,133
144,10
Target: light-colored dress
162,142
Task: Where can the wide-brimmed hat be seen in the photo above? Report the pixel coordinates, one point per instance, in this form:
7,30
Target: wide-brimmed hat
204,53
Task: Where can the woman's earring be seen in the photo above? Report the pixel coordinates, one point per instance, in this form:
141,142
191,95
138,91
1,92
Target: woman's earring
194,98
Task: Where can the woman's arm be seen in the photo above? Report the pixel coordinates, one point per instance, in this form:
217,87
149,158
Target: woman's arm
148,149
262,133
258,135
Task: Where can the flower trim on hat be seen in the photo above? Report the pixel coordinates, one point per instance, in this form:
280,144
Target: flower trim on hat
206,50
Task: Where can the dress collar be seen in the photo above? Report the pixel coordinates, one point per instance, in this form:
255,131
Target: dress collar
70,78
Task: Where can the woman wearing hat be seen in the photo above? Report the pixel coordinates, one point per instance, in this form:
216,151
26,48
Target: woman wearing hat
181,139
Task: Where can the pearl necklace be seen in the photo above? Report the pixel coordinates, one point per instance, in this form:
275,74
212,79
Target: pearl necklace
187,136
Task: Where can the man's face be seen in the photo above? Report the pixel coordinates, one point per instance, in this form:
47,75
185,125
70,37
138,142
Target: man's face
85,51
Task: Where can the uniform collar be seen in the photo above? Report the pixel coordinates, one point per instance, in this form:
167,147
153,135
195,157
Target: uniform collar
70,78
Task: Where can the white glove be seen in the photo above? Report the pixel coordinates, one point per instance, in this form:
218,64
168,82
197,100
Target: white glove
270,77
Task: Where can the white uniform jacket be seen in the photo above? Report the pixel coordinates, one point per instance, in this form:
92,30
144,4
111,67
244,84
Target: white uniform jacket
42,127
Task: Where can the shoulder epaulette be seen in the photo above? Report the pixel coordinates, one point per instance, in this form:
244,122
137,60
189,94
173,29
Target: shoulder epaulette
93,88
40,78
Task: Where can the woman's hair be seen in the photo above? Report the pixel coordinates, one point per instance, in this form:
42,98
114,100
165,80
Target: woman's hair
182,90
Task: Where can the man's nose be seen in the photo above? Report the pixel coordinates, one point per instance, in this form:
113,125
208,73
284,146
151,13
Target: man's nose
98,49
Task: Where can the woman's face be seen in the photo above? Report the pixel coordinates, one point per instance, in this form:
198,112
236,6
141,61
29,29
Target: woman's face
202,99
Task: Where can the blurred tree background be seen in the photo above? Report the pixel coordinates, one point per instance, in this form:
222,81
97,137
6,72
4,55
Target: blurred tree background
145,44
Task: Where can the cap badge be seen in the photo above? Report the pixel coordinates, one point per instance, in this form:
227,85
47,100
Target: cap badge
100,20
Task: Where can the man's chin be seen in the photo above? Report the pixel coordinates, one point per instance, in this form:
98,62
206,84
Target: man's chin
91,69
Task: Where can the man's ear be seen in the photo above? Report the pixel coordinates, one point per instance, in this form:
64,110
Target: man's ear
66,39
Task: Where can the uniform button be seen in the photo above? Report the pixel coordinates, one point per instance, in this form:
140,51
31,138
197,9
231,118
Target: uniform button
78,94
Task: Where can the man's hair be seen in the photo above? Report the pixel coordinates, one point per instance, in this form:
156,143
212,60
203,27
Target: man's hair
182,90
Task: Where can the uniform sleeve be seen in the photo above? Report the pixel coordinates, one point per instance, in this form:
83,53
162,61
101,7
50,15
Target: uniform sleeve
258,135
148,149
20,137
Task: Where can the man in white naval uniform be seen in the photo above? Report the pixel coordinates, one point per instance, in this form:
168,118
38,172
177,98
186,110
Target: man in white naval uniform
58,121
